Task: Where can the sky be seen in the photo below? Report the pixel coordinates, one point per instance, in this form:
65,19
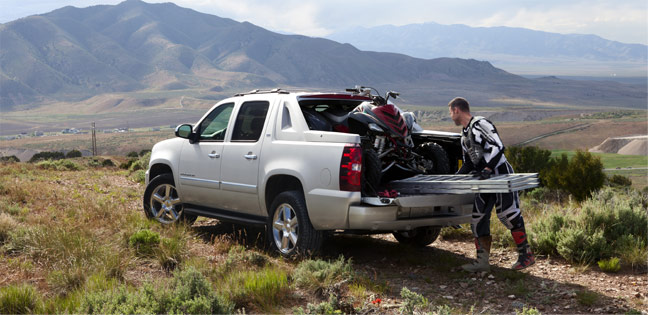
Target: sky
619,20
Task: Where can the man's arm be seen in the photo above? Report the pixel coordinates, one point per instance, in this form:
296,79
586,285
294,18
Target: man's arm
466,166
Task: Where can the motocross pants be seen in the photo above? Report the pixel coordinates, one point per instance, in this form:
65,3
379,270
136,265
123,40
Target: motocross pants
507,207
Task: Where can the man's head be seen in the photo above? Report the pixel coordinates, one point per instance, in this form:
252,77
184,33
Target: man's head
459,111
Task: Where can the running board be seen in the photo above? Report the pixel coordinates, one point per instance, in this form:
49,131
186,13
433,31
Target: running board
464,184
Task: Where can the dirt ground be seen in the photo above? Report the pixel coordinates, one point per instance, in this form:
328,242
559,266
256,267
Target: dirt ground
552,285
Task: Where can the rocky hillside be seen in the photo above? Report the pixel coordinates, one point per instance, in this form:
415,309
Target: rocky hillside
71,54
634,145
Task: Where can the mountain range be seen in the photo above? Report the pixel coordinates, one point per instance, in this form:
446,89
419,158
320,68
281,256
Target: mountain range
71,54
522,50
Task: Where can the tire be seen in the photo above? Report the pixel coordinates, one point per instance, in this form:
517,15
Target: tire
288,239
437,155
162,203
371,173
419,237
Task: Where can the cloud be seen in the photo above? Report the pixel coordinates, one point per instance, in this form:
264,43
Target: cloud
625,21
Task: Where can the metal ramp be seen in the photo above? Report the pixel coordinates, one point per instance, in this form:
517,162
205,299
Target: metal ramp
464,184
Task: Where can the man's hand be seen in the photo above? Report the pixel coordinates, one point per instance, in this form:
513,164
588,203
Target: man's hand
485,173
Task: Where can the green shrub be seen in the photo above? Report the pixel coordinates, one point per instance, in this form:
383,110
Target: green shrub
144,152
40,156
141,163
57,247
610,265
530,159
238,255
610,224
556,177
7,224
132,154
126,165
463,232
138,176
172,250
412,302
189,293
544,236
542,195
66,280
263,288
144,242
19,299
94,162
619,181
73,154
107,163
584,175
9,159
318,274
59,165
576,245
633,250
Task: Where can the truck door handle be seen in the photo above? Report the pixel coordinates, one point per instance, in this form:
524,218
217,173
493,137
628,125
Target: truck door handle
213,155
250,156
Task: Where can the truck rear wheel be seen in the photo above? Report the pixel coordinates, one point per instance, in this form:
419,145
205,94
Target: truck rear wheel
421,237
289,229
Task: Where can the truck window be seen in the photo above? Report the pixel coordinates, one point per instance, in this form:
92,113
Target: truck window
213,127
250,120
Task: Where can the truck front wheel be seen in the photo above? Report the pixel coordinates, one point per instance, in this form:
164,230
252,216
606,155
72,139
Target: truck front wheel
289,229
421,237
162,203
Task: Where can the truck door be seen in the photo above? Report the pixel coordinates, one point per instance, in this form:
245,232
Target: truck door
241,155
200,162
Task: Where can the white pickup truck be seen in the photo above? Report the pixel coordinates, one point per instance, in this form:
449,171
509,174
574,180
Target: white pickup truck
255,159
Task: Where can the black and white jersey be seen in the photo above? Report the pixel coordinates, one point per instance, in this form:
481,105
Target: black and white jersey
482,145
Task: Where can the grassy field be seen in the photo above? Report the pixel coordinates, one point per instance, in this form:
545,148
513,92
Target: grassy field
611,160
635,167
80,243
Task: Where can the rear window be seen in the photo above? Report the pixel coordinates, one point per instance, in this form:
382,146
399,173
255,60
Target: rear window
326,114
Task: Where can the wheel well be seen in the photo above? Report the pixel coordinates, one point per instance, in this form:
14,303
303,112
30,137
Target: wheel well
278,184
158,169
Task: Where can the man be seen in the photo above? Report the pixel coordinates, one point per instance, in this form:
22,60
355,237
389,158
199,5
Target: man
483,155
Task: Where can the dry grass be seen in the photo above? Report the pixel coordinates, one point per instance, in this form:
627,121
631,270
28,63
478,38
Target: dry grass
66,235
62,230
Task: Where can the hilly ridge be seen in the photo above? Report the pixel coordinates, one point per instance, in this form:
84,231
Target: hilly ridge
508,47
72,54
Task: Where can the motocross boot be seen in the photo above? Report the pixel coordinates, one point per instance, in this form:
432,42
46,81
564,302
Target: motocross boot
483,245
525,255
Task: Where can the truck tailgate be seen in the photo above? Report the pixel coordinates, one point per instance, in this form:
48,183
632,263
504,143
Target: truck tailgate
464,184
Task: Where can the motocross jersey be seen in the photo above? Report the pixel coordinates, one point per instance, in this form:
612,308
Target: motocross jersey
481,145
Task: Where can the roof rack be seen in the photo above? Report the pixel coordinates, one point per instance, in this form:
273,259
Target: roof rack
258,91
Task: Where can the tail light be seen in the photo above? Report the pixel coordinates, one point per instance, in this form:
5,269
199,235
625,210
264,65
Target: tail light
351,168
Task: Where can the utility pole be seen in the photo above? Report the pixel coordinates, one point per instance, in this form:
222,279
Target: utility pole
94,140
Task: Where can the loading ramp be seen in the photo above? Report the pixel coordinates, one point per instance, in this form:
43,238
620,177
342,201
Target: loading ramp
464,184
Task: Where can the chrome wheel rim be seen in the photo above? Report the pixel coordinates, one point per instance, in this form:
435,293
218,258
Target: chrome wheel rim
166,206
285,228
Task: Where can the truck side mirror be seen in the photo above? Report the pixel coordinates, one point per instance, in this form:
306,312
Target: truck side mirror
185,131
